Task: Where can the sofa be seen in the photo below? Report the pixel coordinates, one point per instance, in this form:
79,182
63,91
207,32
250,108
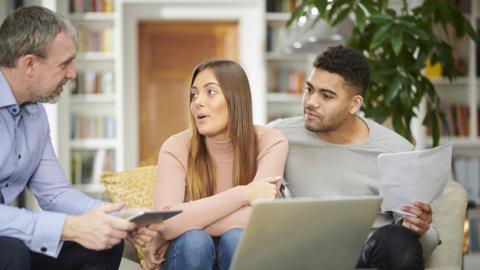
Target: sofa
136,188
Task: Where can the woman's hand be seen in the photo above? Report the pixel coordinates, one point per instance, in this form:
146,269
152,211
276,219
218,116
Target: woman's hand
261,189
153,256
142,236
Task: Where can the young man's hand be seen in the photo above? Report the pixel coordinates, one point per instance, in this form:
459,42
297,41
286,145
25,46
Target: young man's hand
420,222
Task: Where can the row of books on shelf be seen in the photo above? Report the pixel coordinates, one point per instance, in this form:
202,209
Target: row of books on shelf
275,36
281,5
95,40
94,82
286,80
92,126
457,121
87,165
80,6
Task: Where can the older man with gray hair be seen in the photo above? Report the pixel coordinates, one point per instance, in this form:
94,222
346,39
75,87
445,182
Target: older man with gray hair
74,231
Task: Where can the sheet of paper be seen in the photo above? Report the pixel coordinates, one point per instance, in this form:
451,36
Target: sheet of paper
413,176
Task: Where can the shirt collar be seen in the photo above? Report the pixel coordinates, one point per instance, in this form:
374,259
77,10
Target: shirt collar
6,95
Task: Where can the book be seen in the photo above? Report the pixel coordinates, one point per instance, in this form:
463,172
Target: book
81,6
92,126
99,162
88,165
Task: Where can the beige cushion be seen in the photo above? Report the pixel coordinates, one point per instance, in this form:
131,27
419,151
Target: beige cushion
135,188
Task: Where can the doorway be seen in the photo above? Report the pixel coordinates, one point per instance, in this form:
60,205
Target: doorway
168,53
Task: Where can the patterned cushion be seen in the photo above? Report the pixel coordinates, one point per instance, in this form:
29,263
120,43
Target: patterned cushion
135,188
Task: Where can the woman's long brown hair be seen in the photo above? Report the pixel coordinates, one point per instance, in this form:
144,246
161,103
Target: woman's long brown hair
201,176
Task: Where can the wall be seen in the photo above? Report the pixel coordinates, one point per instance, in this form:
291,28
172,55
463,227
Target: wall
249,14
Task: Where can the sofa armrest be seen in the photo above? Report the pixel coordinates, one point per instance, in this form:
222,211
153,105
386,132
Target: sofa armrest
449,215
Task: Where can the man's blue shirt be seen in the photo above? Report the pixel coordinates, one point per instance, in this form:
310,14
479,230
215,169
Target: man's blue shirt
27,159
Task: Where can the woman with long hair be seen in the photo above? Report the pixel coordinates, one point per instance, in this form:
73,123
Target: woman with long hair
213,172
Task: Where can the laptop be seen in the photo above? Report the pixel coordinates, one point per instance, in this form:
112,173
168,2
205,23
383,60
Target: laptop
306,234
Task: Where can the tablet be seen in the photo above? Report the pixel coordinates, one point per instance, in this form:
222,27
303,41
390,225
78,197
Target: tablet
143,219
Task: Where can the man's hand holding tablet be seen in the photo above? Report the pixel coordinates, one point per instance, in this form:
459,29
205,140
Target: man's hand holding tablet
142,218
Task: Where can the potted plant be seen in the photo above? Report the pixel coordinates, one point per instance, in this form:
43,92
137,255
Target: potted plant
398,44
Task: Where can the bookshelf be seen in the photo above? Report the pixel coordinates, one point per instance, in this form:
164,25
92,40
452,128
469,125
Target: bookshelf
461,105
286,70
280,100
88,133
289,54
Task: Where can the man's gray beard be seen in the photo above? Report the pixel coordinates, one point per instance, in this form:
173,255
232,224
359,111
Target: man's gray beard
51,99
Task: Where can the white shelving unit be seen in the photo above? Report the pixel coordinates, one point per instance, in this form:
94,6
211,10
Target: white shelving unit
463,93
289,56
283,65
93,143
93,98
104,145
91,16
283,98
277,16
96,56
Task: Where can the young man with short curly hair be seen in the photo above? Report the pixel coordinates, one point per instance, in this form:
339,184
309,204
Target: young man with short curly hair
333,152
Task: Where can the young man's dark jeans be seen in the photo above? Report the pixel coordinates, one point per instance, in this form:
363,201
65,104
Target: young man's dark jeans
14,255
392,247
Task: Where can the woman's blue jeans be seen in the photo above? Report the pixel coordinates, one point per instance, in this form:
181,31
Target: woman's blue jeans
196,249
